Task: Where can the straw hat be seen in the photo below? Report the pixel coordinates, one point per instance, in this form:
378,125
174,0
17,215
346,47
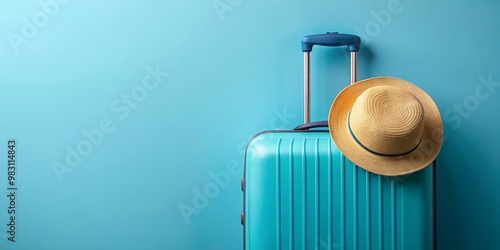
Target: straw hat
386,125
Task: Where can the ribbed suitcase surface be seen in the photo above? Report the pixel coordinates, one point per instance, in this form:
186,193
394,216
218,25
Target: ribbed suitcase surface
300,192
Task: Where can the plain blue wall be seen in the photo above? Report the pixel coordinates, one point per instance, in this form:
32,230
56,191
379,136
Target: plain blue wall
164,171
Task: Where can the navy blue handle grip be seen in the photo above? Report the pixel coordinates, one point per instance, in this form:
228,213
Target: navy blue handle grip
332,39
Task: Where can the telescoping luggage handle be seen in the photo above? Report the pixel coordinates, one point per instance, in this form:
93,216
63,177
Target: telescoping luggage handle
331,39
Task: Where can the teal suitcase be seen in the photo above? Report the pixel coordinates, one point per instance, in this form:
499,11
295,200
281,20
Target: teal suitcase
301,192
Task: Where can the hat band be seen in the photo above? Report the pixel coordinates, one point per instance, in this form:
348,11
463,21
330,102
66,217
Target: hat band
371,151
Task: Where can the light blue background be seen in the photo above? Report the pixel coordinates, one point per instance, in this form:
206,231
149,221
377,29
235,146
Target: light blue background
231,73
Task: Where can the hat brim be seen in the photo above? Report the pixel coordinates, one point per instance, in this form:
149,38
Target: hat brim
422,156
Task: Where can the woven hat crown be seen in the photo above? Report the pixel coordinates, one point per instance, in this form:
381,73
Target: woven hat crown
387,120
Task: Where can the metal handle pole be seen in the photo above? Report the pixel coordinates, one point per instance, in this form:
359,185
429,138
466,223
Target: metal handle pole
354,65
307,107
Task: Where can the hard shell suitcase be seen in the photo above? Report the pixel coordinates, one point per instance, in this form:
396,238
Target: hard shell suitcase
301,192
